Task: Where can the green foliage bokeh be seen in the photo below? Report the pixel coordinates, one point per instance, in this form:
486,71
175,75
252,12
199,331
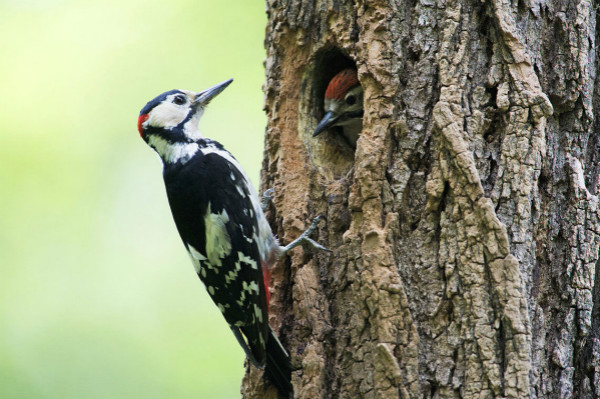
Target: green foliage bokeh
97,296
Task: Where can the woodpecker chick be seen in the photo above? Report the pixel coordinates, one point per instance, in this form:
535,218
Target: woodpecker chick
220,219
343,106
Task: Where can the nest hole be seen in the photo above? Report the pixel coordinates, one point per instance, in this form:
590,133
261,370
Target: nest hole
330,151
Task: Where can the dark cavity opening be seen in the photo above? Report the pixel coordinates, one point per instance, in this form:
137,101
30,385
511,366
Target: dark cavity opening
330,151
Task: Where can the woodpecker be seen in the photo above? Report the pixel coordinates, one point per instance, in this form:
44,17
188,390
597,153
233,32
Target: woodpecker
221,221
343,106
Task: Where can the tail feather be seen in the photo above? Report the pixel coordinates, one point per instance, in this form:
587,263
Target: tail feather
279,366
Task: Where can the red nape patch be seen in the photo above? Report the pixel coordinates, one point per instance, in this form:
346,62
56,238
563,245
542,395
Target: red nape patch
267,279
143,118
341,83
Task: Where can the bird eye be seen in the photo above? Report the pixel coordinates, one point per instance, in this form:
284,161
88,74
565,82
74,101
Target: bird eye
351,100
179,99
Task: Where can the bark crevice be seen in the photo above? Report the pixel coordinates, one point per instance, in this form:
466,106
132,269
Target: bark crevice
465,225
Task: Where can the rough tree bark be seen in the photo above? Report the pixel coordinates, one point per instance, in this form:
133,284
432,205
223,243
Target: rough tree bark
465,226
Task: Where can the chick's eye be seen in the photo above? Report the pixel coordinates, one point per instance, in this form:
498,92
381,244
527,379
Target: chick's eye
351,100
179,100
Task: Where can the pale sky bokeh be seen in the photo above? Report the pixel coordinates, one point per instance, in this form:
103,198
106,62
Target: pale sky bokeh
97,296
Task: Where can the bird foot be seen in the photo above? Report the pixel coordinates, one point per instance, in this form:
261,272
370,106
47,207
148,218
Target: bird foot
305,240
266,198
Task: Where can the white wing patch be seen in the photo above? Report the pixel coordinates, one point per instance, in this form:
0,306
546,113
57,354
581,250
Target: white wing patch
240,190
253,195
223,307
218,243
258,313
197,259
231,276
242,298
246,259
262,237
250,287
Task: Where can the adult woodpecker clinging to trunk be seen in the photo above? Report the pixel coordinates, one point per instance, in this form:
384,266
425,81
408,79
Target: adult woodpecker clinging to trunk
221,222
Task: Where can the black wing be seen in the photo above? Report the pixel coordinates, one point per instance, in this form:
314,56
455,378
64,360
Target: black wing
209,193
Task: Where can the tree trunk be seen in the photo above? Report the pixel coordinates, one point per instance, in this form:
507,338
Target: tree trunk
465,225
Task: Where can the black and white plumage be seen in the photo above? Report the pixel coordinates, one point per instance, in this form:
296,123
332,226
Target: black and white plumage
221,222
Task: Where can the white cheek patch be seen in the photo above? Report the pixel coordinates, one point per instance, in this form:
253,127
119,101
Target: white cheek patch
166,115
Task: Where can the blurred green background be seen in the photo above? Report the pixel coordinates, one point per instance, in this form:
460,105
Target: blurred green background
98,298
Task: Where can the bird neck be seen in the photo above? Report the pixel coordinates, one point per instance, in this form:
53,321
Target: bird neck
351,130
172,153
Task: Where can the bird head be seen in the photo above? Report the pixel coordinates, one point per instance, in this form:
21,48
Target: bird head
174,115
343,101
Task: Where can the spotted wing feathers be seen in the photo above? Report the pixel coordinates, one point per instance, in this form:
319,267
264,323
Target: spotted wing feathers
217,221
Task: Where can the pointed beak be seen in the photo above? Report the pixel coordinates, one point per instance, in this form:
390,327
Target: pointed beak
204,97
328,120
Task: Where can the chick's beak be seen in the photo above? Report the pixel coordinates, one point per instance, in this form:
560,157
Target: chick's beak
328,121
204,97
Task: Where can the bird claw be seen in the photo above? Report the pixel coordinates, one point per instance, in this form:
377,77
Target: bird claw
266,198
312,243
305,239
